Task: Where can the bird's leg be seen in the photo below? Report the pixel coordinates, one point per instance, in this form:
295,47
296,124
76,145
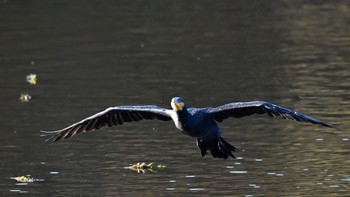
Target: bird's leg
202,147
218,147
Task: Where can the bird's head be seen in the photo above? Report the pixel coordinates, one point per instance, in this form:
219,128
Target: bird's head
177,103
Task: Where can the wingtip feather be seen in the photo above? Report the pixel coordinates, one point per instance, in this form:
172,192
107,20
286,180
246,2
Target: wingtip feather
52,135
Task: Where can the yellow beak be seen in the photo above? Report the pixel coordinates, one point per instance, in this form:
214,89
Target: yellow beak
177,106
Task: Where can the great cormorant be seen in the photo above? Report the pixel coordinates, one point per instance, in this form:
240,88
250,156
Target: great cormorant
200,123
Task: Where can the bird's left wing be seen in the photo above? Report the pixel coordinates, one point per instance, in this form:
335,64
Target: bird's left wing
240,109
112,116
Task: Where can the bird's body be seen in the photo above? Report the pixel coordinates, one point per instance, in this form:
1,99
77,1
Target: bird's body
194,122
200,123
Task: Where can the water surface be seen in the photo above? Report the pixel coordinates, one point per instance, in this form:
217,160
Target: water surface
92,55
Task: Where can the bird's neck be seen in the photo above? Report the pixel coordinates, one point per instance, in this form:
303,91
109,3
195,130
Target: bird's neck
183,115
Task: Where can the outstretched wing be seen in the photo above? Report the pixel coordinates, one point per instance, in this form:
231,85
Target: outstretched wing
240,109
112,116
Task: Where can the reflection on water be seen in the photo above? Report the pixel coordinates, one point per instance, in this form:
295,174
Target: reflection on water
89,57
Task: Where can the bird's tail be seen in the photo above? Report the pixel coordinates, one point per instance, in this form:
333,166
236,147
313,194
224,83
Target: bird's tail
218,147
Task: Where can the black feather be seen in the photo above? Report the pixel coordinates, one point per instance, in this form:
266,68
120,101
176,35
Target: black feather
218,147
241,109
112,116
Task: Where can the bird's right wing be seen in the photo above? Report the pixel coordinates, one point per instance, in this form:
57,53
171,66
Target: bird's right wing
240,109
112,116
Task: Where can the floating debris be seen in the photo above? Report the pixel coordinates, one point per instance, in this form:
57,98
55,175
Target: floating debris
26,179
25,97
31,78
143,167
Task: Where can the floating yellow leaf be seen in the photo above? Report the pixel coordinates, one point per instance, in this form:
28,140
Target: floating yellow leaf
143,167
160,166
26,179
25,97
23,179
31,78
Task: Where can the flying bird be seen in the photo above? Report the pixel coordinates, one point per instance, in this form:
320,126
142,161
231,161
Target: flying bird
200,123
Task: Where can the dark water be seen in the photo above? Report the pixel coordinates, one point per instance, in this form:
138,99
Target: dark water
90,55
